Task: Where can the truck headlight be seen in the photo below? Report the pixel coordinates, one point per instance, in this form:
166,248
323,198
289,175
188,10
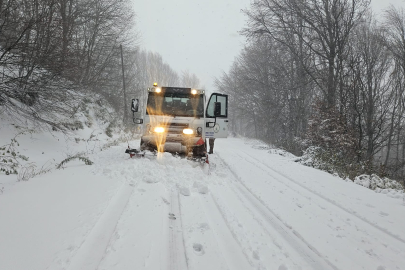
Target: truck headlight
159,129
188,131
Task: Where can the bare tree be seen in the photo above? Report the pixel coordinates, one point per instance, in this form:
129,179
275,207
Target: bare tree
323,73
264,105
395,41
44,42
321,26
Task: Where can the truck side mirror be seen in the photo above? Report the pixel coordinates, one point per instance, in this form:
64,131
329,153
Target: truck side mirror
217,109
135,105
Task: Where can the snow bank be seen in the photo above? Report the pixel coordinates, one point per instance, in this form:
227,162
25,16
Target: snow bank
375,182
383,185
260,145
32,149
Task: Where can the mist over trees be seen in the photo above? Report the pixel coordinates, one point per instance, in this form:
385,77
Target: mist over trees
323,76
51,50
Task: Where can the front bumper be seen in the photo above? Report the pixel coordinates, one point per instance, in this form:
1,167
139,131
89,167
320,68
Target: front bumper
173,143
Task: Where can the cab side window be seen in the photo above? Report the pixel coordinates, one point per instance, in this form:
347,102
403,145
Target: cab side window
217,98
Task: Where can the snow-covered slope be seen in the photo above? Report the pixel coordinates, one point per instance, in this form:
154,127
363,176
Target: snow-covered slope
254,210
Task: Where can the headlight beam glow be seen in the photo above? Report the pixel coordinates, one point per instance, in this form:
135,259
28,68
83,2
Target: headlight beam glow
188,131
159,129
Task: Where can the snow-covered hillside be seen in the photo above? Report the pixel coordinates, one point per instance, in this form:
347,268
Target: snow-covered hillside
255,209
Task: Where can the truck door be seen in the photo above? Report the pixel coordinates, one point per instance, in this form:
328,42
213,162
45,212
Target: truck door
216,116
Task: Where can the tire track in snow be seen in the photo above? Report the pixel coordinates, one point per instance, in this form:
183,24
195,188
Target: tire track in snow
229,245
334,203
258,217
92,250
220,210
309,253
177,252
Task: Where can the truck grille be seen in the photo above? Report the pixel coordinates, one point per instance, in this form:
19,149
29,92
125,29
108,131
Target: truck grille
175,128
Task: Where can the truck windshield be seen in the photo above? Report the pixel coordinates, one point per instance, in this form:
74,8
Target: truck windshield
175,104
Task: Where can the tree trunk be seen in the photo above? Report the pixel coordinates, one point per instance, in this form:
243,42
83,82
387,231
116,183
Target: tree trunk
331,89
390,137
63,4
369,123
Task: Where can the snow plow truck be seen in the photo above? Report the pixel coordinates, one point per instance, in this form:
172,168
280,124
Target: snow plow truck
179,120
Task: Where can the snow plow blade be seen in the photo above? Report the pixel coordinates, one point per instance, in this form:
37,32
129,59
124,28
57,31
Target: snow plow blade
140,154
135,153
199,159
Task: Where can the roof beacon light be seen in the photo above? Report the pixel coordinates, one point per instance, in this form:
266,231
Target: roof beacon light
193,91
155,84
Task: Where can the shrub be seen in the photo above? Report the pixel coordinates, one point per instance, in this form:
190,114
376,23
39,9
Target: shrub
76,125
9,156
78,156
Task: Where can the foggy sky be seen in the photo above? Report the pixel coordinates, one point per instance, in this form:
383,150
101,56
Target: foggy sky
200,35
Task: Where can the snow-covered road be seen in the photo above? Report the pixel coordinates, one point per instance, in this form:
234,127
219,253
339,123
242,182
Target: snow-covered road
254,210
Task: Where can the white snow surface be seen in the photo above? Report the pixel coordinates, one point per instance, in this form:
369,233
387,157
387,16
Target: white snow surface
251,209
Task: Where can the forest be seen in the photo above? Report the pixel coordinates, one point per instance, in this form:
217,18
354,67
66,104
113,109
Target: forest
323,78
52,50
